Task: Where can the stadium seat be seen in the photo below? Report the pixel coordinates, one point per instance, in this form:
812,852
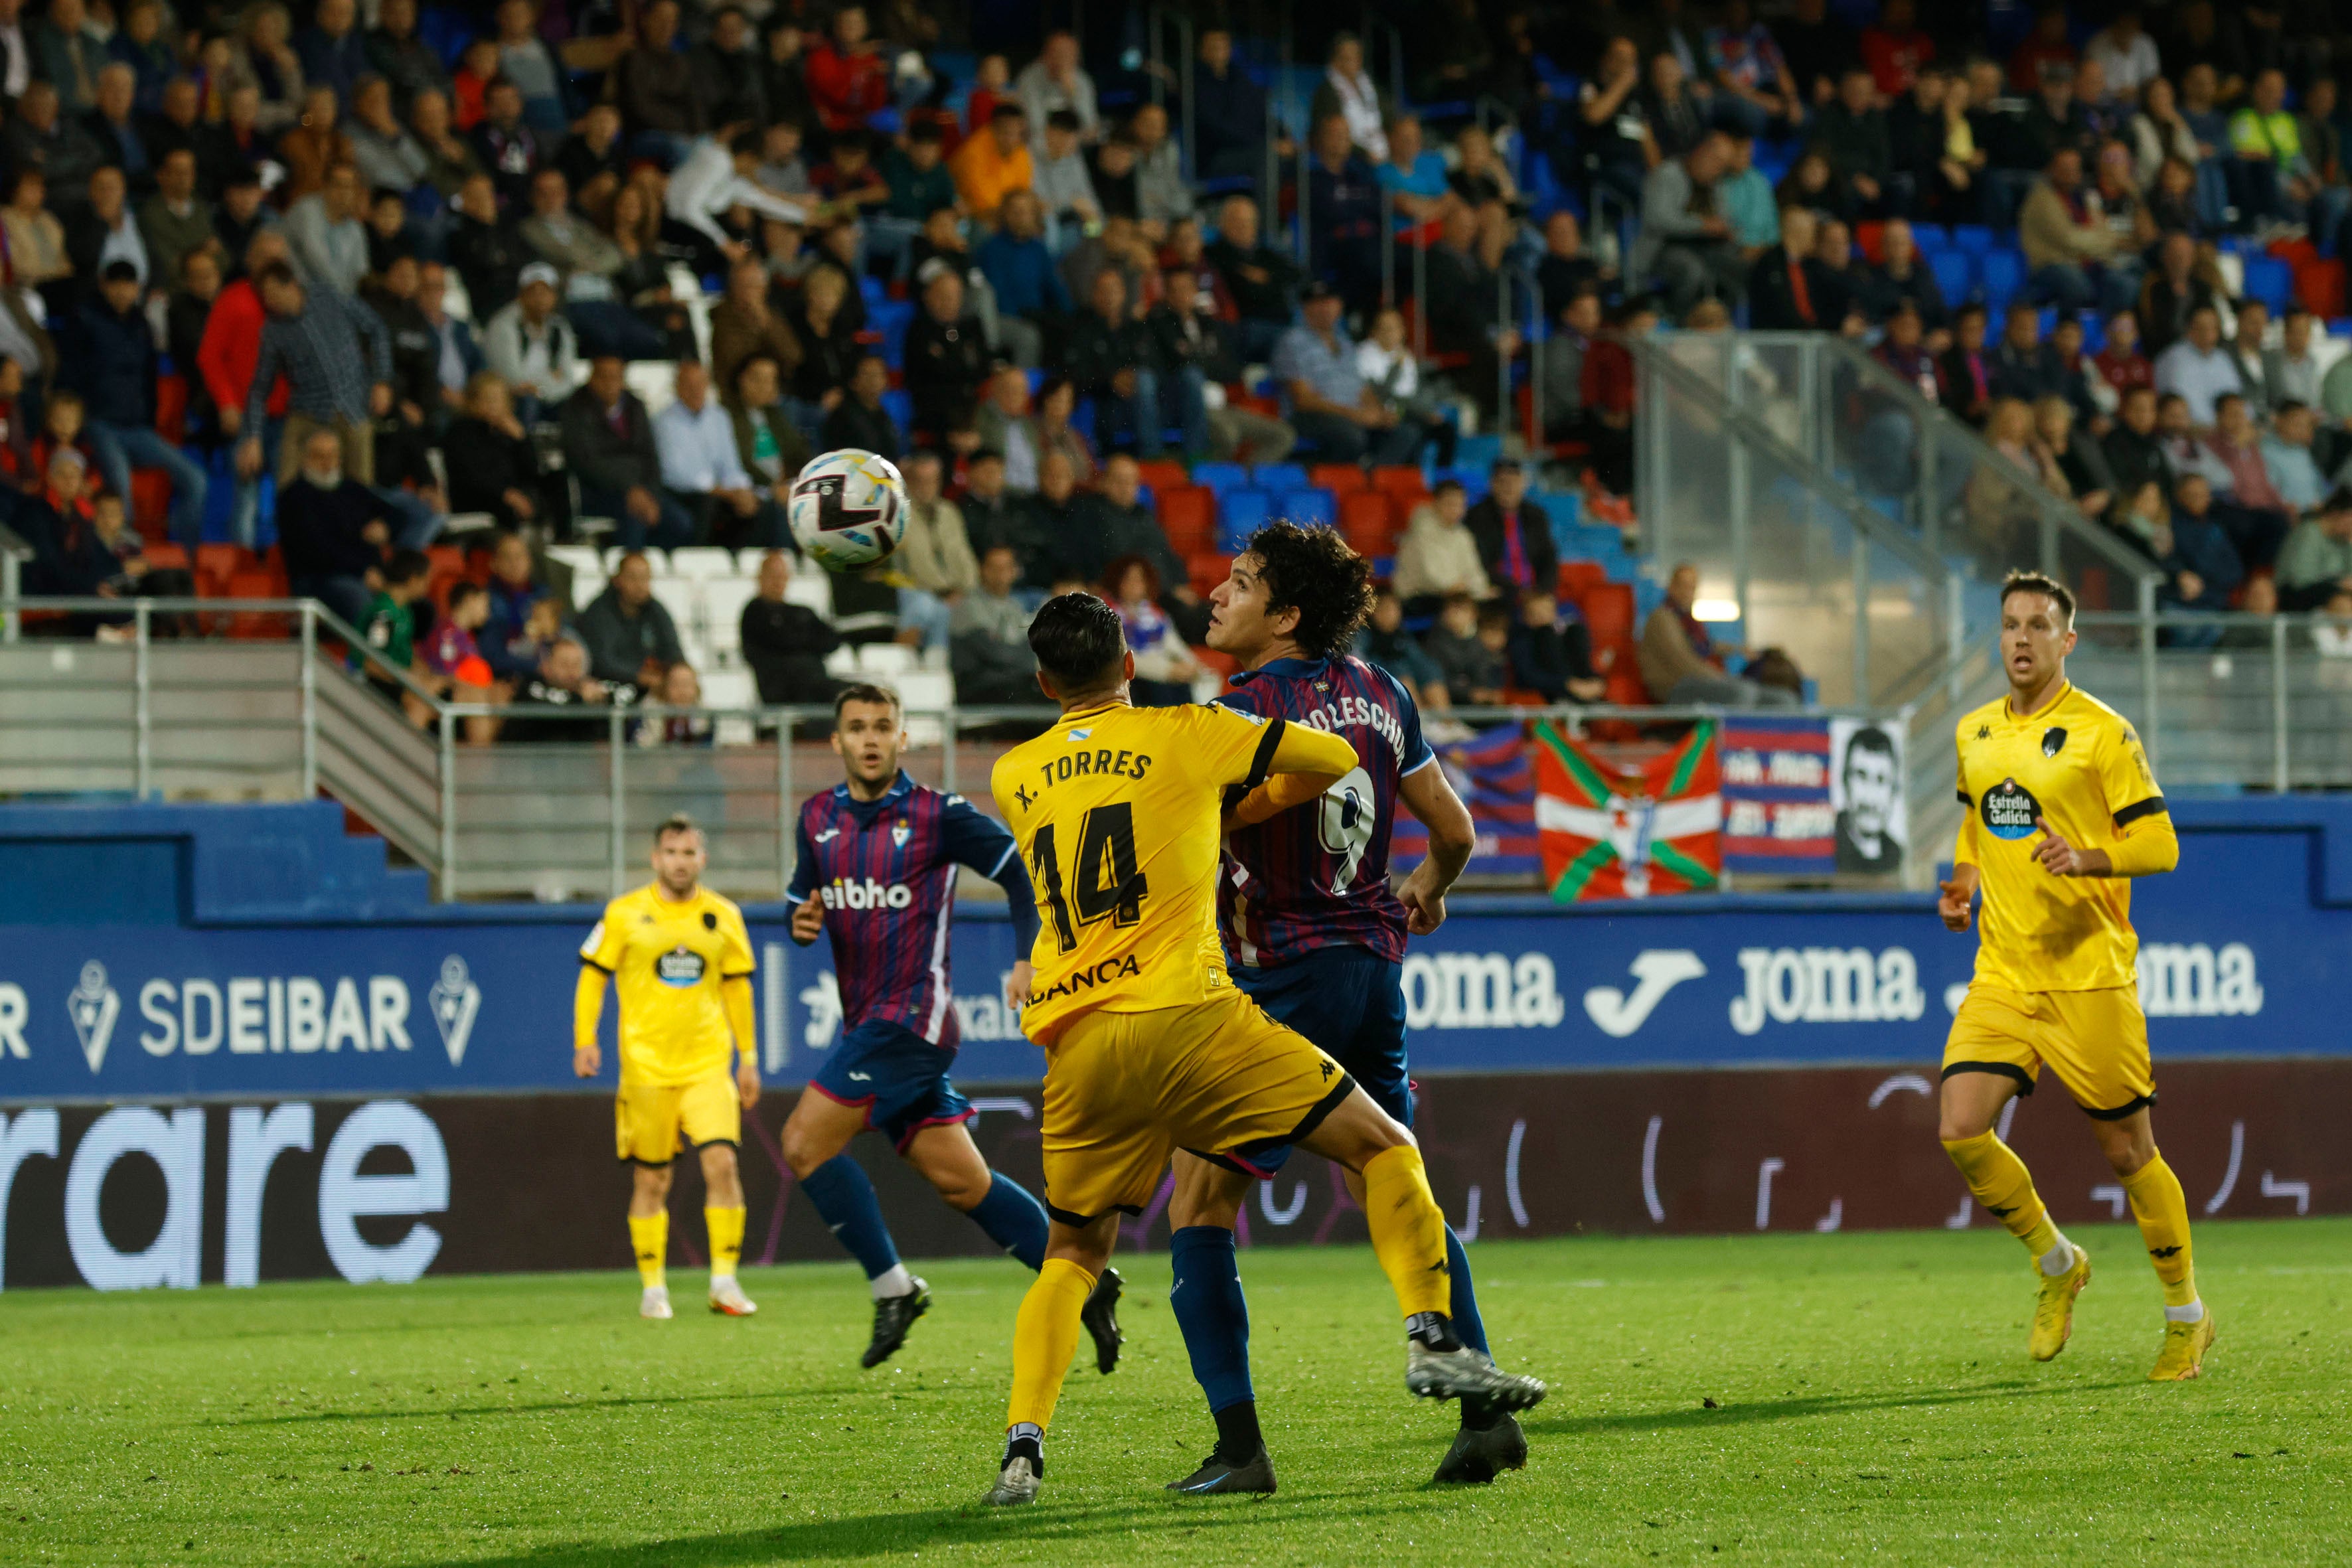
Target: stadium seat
1276,478
1188,516
2002,275
256,625
167,557
1241,513
1952,275
655,381
812,588
172,407
1309,509
150,501
885,659
1580,578
1160,474
728,688
899,405
683,600
926,690
723,599
1339,478
2271,280
1399,479
700,563
1368,520
215,564
1220,477
891,318
1974,238
1207,570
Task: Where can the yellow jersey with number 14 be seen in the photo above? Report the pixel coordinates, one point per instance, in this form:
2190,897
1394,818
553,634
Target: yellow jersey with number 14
2076,765
667,961
1118,810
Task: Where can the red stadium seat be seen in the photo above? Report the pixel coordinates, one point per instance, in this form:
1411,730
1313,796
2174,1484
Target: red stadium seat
216,565
1368,521
1188,515
172,407
1399,479
1339,478
1578,578
167,556
150,501
1208,569
256,625
1162,474
1609,613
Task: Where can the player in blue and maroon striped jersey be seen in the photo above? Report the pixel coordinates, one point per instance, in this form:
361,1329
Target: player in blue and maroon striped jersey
879,855
1314,935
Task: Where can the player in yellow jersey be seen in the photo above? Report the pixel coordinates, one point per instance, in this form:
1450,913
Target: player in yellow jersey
681,961
2062,810
1149,1046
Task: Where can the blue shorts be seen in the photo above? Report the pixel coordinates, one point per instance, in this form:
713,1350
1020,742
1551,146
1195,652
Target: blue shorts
1350,1003
897,1077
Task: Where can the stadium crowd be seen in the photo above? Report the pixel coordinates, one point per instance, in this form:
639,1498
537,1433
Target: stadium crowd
334,279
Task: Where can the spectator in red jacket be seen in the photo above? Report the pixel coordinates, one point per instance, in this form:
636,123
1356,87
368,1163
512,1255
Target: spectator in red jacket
1896,49
847,77
231,349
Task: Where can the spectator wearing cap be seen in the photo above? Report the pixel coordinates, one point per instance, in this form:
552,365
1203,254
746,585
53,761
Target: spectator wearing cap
994,163
175,220
1514,535
108,354
336,357
699,463
946,362
331,528
654,85
859,420
329,241
530,344
608,445
1332,409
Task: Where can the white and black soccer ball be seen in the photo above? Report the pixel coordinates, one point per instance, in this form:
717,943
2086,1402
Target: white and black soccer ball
848,510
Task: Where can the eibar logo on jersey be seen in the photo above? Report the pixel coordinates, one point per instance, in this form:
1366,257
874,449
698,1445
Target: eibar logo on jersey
454,1000
2010,809
2054,741
900,834
843,894
1079,980
1827,986
94,1007
681,966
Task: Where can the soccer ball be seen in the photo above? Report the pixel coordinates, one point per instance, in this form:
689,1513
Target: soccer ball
848,510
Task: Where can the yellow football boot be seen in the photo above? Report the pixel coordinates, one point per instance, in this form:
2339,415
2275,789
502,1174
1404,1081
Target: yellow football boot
2053,1315
2185,1345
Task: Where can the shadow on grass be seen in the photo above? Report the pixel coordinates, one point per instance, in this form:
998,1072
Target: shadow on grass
1745,1412
893,1535
542,1408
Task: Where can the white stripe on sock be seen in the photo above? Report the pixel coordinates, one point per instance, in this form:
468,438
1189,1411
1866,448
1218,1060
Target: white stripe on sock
892,1282
2059,1258
2188,1314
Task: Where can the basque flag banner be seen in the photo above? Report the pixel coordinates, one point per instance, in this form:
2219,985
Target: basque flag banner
1628,828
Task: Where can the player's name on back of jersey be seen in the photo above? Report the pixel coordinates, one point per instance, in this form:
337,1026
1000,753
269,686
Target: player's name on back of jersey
1099,761
1346,711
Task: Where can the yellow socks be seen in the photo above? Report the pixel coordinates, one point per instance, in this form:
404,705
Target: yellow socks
1408,1232
726,1228
2001,1183
1044,1337
649,1235
2162,1211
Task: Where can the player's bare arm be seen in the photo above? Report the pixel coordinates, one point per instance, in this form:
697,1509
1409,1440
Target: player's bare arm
808,922
1428,795
1959,897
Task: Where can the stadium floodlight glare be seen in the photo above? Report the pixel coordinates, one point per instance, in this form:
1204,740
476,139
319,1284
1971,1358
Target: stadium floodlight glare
1714,609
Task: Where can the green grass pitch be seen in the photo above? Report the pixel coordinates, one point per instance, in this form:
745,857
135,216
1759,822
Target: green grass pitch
1872,1400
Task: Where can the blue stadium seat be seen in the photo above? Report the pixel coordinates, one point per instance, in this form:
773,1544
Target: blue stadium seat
891,318
1474,480
1240,513
2001,273
870,288
1566,510
2271,280
1932,238
1952,275
1221,476
1310,508
1277,478
1972,238
899,405
1477,451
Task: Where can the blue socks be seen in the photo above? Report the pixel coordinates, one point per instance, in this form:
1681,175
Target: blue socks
1013,1220
1468,1326
845,1200
1211,1309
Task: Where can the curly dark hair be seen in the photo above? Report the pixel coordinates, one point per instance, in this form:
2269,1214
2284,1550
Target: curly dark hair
1312,571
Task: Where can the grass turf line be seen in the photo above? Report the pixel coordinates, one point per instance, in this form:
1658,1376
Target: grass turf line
1872,1399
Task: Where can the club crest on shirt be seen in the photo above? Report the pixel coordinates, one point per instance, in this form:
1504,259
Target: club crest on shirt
900,834
2054,741
2009,809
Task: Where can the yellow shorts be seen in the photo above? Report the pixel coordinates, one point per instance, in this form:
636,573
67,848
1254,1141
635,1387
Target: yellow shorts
1125,1090
2095,1041
649,1118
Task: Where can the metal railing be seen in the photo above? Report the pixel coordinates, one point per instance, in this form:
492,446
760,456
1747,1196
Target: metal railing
14,554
